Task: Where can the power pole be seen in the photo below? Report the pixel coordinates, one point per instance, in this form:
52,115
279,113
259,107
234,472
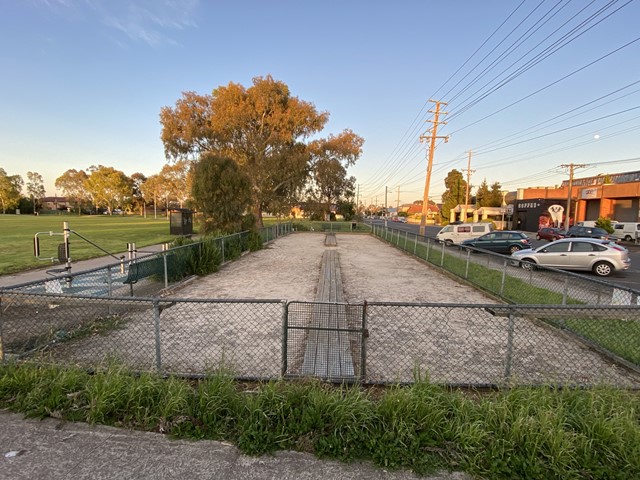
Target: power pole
571,167
386,204
432,146
469,172
398,200
357,198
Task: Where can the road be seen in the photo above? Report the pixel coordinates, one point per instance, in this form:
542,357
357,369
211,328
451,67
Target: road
629,278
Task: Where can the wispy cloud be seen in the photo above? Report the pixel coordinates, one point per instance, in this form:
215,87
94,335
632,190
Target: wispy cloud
154,22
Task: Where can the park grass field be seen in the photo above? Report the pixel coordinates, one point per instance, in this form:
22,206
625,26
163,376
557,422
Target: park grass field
112,233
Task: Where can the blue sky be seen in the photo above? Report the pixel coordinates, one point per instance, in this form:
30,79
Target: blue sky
83,82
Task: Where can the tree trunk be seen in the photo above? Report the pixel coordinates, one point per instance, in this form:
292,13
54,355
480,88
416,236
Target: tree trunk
257,212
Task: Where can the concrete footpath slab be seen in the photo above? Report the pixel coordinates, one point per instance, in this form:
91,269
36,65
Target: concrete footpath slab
53,449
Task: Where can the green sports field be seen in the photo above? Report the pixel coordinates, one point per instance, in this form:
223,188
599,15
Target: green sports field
112,233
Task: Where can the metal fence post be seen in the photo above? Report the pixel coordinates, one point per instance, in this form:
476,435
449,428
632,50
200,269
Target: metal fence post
442,256
1,340
428,249
363,346
565,290
415,244
406,239
504,276
509,355
156,321
466,270
285,337
222,242
166,270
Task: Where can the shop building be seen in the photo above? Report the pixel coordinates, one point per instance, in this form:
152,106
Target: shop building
614,196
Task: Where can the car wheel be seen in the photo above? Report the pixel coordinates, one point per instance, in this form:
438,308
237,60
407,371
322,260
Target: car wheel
448,243
603,269
528,264
628,238
514,248
537,237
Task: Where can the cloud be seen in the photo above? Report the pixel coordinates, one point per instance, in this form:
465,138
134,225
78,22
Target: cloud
154,22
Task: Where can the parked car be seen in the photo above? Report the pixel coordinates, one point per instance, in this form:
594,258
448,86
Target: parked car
500,242
455,233
602,257
590,232
628,231
551,234
403,219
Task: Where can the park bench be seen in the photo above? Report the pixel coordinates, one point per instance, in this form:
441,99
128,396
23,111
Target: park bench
328,351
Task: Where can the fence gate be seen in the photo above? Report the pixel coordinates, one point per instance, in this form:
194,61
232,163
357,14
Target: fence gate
324,340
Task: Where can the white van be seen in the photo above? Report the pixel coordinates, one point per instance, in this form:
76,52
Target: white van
454,234
628,231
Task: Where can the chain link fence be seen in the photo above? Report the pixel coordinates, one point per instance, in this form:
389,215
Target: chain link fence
470,345
151,273
500,276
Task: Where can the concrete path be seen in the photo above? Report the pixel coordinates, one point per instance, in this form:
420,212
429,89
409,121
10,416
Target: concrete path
54,450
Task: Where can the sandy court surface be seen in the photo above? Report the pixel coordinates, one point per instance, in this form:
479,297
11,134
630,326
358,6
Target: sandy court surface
460,345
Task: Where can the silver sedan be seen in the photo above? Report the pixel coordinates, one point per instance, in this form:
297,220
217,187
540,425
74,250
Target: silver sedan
602,257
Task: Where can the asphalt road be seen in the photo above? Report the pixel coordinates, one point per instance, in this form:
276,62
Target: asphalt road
629,278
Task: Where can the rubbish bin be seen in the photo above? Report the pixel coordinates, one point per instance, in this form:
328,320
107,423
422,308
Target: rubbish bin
353,226
180,221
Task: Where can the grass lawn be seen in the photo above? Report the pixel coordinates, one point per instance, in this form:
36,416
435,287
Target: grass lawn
110,232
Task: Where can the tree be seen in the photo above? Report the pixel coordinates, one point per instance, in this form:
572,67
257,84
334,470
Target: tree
152,190
222,192
108,187
10,187
72,184
455,192
261,128
483,195
495,197
137,198
35,188
332,157
175,179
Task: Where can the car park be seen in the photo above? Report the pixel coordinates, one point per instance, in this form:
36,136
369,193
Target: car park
602,257
550,233
590,232
500,242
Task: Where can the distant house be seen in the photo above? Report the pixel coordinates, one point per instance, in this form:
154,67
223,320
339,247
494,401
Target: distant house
415,211
54,203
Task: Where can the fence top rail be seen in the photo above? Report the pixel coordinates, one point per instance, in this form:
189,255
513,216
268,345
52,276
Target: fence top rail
494,309
131,300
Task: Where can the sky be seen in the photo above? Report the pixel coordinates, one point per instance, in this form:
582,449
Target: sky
529,85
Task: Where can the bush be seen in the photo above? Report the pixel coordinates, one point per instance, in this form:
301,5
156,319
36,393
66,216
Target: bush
605,223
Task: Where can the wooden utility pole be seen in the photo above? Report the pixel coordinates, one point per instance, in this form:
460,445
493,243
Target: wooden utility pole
432,146
469,172
571,167
398,201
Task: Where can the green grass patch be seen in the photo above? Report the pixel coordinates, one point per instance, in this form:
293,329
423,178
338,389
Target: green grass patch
110,232
521,433
621,337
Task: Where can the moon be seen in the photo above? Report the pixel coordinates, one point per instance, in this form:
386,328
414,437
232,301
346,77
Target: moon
596,136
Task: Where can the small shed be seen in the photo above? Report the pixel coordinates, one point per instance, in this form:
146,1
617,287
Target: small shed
180,221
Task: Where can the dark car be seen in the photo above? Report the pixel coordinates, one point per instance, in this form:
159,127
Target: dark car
590,232
500,242
551,234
